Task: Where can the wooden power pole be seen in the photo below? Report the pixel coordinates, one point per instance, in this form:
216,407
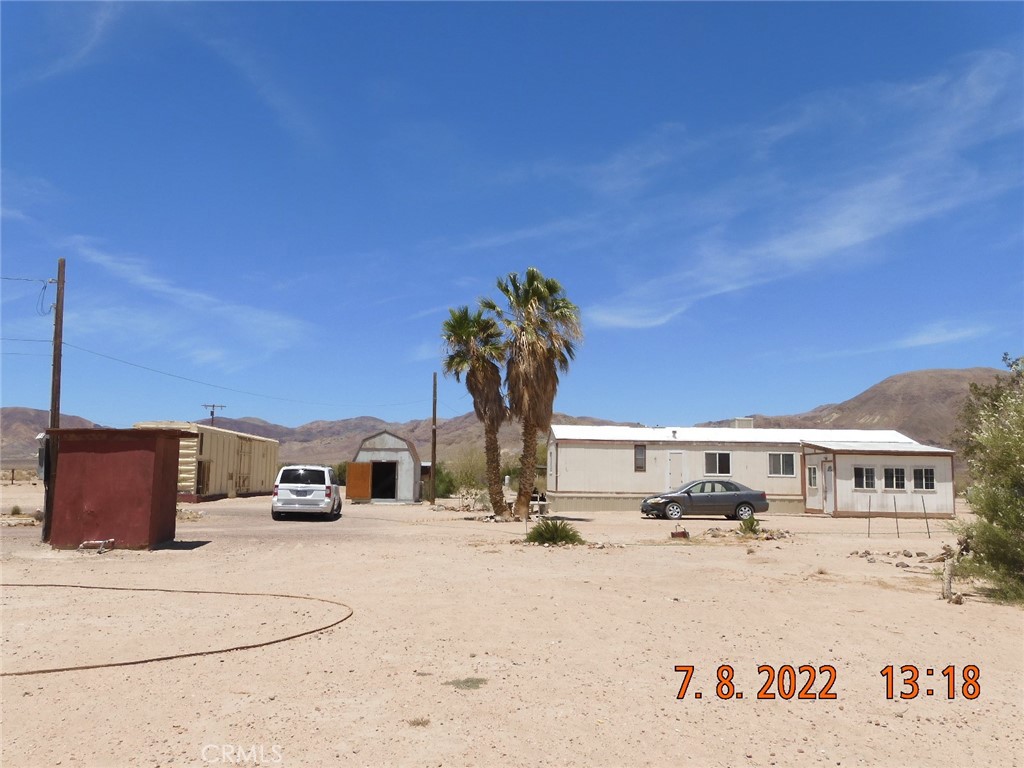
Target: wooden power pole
212,407
49,462
433,446
58,347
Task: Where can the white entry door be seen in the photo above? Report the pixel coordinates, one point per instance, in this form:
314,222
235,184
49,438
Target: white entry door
675,469
828,488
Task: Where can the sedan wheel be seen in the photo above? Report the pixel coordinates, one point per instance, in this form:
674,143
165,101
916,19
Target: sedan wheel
673,511
743,511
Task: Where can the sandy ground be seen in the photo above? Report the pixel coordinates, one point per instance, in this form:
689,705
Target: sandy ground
465,649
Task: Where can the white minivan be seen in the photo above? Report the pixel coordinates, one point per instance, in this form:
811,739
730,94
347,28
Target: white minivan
305,488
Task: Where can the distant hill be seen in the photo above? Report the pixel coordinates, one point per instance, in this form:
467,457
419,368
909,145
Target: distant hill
18,430
327,442
920,404
334,441
923,405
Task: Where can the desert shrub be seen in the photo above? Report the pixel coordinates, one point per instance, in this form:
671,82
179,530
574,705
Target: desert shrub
341,471
750,527
15,510
444,482
992,440
554,532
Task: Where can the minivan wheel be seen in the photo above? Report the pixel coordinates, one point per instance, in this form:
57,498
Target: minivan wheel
674,511
743,511
277,515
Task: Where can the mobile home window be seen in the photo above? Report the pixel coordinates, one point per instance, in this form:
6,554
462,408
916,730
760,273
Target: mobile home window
864,477
924,479
812,477
895,478
639,458
781,464
717,463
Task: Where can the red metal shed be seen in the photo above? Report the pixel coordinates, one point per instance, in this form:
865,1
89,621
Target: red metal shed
118,484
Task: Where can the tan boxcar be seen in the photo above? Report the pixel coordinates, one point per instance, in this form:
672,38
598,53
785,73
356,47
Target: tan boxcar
216,463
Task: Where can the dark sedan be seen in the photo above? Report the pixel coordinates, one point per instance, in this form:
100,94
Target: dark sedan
706,497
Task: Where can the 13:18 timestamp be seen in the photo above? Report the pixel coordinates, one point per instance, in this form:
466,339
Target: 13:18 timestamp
969,679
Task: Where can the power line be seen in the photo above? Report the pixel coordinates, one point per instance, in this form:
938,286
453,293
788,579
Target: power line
41,300
186,378
238,391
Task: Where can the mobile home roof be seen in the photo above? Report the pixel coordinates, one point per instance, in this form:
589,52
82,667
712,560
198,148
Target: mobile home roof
616,434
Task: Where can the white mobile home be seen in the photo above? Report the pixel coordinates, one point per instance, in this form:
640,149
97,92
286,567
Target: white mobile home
215,463
612,468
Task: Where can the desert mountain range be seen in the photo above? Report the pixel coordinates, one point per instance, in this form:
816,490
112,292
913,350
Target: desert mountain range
920,404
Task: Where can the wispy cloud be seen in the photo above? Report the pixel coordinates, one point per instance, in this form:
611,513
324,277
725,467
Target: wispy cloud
198,326
268,88
686,217
90,25
934,334
426,350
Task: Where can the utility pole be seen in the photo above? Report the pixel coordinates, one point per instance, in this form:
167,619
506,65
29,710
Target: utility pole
58,346
49,463
212,406
433,446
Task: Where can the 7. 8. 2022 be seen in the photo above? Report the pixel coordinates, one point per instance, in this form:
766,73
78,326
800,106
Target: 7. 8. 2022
786,682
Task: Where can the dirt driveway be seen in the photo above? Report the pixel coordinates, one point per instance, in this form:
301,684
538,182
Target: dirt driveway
461,648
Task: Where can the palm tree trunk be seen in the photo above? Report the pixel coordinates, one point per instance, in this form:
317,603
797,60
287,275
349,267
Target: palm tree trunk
527,470
492,452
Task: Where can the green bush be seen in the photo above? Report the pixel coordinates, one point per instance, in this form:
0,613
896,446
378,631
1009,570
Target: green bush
750,527
16,510
444,482
992,439
341,472
554,532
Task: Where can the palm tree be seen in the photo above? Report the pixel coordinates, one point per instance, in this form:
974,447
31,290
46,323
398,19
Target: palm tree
542,329
474,346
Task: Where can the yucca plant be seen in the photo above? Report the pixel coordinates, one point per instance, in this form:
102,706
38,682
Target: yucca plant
554,532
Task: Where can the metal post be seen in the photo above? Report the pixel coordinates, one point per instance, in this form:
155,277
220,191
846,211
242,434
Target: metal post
896,516
433,446
869,517
926,525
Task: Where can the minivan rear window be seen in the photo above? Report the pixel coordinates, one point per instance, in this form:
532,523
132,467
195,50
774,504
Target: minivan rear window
303,477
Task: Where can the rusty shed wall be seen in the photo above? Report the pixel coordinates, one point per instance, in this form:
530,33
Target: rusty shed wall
114,484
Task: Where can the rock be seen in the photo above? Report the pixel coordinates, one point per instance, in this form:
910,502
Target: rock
901,564
907,553
872,560
921,554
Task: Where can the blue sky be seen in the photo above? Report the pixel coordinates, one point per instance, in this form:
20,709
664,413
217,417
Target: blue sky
757,207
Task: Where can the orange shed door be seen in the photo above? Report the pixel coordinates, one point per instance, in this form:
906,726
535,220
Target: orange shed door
358,481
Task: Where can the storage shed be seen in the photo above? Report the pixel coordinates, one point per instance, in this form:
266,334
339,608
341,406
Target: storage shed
613,467
217,463
385,468
111,485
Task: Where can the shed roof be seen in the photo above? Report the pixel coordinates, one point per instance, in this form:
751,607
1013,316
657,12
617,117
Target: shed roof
726,435
868,447
193,429
409,444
